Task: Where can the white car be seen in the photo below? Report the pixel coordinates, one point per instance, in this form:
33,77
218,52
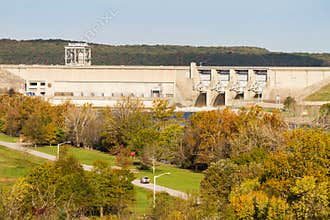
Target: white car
145,180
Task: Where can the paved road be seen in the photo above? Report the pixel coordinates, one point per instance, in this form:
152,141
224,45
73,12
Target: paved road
20,147
172,192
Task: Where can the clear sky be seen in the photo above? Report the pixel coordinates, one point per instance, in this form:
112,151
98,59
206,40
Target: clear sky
278,25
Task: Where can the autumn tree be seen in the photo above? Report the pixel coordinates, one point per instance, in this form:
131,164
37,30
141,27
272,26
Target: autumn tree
298,173
248,201
288,183
207,136
256,129
15,111
211,136
293,185
82,125
41,126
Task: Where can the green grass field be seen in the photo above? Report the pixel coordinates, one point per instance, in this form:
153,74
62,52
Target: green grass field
83,155
7,138
322,95
143,202
179,179
14,164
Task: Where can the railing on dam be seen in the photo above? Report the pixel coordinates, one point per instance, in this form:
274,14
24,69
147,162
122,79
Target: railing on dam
261,103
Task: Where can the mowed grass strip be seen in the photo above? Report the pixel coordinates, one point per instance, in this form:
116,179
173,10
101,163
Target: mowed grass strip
15,164
142,202
85,156
6,138
179,179
322,95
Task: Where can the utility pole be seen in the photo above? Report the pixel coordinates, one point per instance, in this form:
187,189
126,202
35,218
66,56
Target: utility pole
58,148
154,194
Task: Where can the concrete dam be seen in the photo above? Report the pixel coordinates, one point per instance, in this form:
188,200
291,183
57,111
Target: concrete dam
183,86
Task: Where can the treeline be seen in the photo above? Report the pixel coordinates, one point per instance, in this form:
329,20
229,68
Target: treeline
160,133
289,182
255,167
52,52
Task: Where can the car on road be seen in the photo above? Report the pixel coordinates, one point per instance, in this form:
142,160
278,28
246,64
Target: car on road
30,94
145,180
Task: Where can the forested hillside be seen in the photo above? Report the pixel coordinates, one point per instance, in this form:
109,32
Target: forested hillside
52,52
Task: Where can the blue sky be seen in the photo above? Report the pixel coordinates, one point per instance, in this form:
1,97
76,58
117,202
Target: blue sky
278,25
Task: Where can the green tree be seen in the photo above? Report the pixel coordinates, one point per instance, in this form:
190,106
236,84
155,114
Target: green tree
170,144
290,104
162,113
16,203
122,124
219,181
113,189
171,208
51,52
166,133
50,189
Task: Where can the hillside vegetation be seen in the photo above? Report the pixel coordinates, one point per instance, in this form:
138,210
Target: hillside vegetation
322,95
52,52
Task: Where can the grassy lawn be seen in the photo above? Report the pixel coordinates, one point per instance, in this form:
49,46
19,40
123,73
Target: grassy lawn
7,138
83,155
322,95
179,179
14,164
143,202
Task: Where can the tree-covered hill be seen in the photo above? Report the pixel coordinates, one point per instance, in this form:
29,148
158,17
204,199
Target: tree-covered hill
52,52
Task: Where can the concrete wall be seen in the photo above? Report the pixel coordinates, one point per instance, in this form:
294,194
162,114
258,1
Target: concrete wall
181,85
296,81
106,81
